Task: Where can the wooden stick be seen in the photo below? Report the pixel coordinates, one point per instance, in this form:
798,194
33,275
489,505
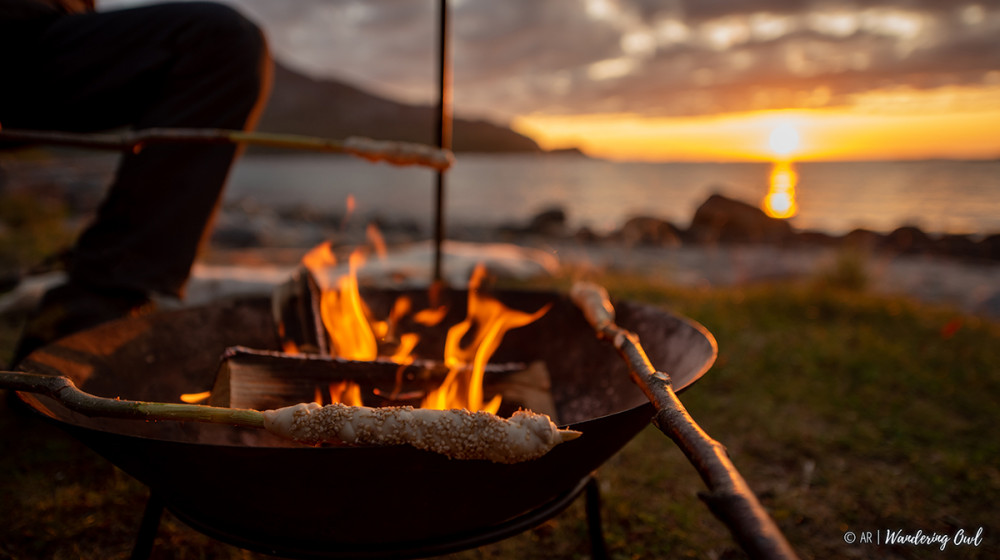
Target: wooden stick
395,153
729,497
459,434
65,391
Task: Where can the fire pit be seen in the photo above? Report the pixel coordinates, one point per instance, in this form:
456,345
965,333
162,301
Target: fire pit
257,491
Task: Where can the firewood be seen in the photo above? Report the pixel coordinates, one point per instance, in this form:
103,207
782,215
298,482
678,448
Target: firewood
262,379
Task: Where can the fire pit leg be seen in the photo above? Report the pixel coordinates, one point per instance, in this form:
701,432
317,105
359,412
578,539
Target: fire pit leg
598,548
148,528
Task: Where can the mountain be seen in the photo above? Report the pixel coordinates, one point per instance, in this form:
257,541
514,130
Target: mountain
300,104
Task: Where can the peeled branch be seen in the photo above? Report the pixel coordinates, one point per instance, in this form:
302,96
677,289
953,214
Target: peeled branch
458,434
389,151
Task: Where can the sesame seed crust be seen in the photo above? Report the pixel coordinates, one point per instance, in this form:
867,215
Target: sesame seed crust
457,433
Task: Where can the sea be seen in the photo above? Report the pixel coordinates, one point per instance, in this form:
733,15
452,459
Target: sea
489,190
938,196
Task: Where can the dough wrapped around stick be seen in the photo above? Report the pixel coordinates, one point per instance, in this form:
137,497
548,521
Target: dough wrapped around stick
398,153
458,434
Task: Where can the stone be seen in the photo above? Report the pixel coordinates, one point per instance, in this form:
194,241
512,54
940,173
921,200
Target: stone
722,219
550,223
649,231
862,239
908,239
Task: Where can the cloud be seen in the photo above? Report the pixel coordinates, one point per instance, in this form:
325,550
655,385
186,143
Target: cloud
649,57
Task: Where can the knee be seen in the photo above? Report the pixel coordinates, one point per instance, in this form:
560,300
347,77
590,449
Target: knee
222,37
226,29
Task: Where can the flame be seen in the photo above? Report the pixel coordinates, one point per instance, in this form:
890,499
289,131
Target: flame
462,387
345,316
468,345
318,259
192,398
350,204
346,392
376,239
430,317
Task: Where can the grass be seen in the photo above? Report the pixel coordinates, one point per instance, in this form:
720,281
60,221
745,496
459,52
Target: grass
845,411
31,227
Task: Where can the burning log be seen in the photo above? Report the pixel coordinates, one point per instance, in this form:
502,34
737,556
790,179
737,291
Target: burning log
729,497
321,307
455,433
395,153
262,379
295,307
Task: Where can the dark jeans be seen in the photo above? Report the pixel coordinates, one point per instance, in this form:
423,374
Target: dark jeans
197,65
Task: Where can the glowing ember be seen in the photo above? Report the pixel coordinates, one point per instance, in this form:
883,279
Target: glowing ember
192,398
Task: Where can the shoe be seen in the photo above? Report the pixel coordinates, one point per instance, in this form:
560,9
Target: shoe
71,308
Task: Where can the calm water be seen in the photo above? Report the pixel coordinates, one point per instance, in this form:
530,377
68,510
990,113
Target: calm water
938,196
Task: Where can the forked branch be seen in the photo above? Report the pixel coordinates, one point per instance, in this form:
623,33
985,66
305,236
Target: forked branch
729,497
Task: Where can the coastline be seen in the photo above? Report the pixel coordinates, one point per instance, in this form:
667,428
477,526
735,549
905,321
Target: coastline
727,243
733,246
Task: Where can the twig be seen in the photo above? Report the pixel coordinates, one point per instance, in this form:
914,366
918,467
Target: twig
729,497
395,153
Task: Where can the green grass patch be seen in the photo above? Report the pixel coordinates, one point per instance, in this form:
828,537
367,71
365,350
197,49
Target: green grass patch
32,228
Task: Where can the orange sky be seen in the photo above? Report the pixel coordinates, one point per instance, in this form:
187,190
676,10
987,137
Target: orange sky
679,80
944,124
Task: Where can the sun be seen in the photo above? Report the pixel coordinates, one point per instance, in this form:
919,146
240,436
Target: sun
784,139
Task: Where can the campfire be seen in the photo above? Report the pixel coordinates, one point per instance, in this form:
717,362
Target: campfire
245,485
509,389
358,361
331,318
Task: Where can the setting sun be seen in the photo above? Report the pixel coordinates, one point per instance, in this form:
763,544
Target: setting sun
822,134
784,139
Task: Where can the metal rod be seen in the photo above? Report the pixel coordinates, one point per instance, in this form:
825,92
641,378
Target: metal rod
149,526
443,135
595,527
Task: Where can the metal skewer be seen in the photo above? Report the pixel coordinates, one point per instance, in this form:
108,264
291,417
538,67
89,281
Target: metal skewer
443,132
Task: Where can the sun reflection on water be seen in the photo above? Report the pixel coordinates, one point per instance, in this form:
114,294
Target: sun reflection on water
780,199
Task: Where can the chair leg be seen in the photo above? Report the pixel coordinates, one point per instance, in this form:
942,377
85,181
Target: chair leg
598,548
148,528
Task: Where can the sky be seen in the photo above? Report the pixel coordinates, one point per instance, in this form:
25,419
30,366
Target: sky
705,80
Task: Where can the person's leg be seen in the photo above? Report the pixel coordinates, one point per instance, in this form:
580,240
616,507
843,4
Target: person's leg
179,65
175,65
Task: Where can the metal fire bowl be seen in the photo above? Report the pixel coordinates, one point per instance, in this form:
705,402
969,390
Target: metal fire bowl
256,490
